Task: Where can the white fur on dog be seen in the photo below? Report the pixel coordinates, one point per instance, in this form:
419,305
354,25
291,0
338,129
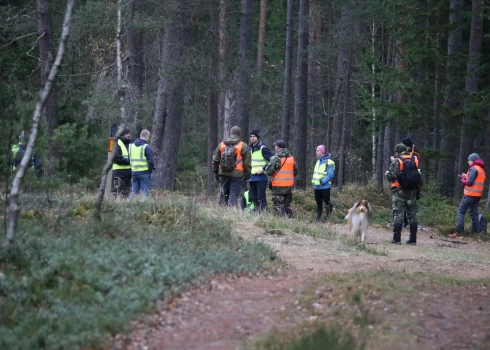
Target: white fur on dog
359,218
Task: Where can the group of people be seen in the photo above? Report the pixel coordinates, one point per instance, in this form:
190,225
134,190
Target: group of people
404,198
133,164
256,168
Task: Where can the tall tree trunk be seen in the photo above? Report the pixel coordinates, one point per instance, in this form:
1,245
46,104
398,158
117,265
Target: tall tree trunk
344,59
222,47
449,143
14,199
134,67
261,39
46,57
301,101
436,105
212,139
379,160
344,135
373,100
167,121
288,67
486,147
471,87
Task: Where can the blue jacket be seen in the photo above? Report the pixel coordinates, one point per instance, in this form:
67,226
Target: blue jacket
148,155
324,183
267,154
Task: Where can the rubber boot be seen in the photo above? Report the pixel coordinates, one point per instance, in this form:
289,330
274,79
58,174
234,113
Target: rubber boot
397,234
329,211
318,214
413,234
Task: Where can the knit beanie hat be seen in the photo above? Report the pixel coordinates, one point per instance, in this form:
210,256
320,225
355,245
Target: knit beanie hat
407,141
322,149
473,157
280,144
125,132
255,132
400,148
236,131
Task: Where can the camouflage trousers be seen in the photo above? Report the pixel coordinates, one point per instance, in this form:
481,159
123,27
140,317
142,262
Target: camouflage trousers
404,201
282,204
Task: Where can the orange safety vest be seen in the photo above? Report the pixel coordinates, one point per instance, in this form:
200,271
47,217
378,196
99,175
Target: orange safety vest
238,153
475,190
405,156
285,176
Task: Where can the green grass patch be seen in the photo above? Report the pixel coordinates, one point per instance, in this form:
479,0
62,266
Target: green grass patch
70,282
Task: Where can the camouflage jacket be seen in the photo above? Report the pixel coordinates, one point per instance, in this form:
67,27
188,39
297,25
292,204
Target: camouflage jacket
273,167
246,156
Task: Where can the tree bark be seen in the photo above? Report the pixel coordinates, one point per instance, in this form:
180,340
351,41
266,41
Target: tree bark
222,47
379,160
14,200
471,87
135,67
212,137
237,96
288,67
446,173
261,39
46,57
301,100
167,121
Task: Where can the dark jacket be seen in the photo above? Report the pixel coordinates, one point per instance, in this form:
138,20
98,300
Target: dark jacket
148,155
273,167
120,160
267,154
246,157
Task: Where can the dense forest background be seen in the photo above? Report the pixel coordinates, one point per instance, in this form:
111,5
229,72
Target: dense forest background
354,75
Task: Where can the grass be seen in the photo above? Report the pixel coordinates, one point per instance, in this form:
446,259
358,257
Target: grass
70,282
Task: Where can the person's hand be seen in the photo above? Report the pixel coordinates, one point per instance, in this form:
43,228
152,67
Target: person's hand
261,171
463,175
386,172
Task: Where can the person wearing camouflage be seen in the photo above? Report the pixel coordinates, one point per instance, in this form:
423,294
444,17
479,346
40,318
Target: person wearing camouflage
232,182
282,169
402,200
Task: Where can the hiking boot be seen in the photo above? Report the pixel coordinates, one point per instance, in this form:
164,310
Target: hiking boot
397,234
413,234
395,242
411,242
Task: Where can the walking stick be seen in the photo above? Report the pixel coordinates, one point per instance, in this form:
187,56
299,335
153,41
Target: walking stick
448,240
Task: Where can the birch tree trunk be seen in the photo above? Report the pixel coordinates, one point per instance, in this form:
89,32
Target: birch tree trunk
14,200
288,67
301,100
170,104
46,57
471,87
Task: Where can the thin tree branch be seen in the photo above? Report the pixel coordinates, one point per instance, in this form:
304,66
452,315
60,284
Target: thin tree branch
18,38
14,206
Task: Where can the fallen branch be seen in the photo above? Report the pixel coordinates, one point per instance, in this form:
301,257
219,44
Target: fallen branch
448,240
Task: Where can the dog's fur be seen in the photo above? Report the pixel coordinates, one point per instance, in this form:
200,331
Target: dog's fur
359,218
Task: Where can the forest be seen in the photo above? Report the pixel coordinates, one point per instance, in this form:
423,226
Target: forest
354,75
176,270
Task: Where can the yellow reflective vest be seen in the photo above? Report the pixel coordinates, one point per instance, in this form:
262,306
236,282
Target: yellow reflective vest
258,160
138,158
125,154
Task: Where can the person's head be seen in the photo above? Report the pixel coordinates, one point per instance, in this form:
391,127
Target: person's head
321,151
236,131
279,144
472,157
400,148
126,134
407,141
145,135
254,136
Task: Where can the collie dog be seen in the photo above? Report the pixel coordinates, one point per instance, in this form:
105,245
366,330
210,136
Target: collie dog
359,218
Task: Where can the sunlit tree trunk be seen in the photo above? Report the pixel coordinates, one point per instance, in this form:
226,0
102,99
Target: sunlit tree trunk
301,100
222,47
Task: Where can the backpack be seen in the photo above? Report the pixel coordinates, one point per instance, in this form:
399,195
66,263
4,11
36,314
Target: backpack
227,161
482,224
409,178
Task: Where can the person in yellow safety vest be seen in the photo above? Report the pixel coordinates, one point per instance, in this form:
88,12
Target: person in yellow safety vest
121,169
17,152
474,184
141,158
246,204
282,169
232,181
322,181
258,181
